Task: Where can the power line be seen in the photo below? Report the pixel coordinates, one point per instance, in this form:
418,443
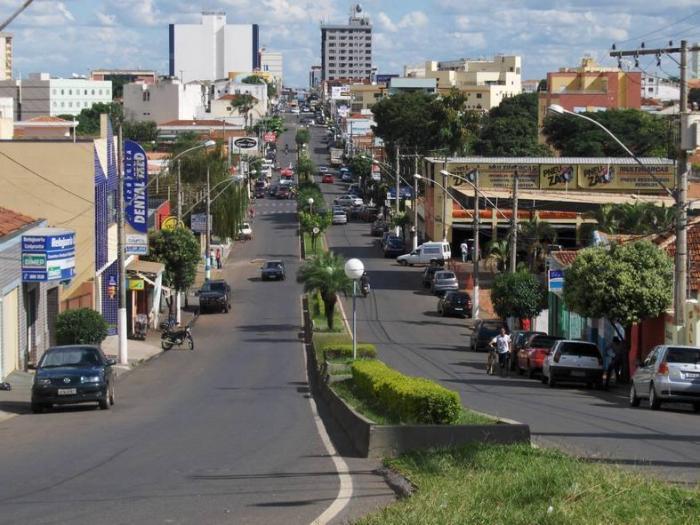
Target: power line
639,37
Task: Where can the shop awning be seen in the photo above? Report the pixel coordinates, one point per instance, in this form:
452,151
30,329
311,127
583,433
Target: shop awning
146,267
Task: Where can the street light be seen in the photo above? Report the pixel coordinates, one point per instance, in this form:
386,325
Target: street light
354,269
679,196
311,204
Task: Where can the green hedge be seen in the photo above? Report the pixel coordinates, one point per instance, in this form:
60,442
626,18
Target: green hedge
344,351
408,399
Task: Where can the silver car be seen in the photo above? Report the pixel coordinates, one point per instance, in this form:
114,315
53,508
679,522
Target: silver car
668,374
573,361
444,281
339,217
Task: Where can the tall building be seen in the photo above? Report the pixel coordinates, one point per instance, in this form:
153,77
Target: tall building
213,49
271,63
346,50
315,74
5,56
40,95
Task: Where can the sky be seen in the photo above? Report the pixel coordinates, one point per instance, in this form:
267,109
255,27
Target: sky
75,36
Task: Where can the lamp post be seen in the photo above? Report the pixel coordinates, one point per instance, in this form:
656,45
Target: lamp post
354,269
679,196
310,201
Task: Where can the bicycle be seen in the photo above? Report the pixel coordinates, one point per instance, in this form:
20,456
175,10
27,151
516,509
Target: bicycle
502,361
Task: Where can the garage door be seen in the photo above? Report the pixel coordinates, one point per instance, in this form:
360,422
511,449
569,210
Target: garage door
10,332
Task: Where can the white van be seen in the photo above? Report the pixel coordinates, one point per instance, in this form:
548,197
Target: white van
425,253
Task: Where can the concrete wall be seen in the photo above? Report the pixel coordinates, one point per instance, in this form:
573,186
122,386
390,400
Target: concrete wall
162,102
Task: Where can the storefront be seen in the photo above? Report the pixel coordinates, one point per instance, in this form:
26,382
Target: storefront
145,293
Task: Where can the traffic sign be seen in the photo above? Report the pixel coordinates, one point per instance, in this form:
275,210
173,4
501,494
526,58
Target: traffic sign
555,280
270,136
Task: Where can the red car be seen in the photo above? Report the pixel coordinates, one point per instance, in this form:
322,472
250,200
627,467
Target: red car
531,357
327,179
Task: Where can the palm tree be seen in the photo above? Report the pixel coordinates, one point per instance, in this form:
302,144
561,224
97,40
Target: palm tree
499,252
325,274
607,217
534,237
401,220
243,104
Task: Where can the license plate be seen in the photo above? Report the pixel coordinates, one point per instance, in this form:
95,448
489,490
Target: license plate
458,309
692,375
67,391
578,373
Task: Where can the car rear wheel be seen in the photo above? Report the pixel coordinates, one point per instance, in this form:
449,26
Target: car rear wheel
112,395
633,397
654,401
550,381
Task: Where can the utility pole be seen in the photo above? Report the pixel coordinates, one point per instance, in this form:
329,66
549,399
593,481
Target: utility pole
514,231
121,313
476,256
207,264
178,316
444,200
680,193
398,186
415,203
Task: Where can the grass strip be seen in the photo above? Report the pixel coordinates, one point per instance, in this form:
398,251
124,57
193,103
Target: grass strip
319,317
520,485
309,249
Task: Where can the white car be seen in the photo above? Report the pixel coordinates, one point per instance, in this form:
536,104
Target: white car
339,217
296,110
323,169
425,253
573,361
245,232
348,200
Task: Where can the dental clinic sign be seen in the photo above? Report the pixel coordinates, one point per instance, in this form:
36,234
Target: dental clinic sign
48,254
135,199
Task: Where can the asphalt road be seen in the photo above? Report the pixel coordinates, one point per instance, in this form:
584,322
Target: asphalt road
401,319
224,434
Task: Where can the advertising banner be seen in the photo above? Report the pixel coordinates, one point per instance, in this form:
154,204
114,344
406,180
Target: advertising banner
48,254
625,177
338,92
198,222
495,176
555,280
244,145
558,177
135,199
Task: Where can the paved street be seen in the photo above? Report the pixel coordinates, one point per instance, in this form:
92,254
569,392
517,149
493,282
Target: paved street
224,434
400,317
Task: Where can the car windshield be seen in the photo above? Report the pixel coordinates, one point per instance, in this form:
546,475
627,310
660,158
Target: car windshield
579,349
273,265
395,243
543,342
683,355
214,287
71,357
444,275
457,297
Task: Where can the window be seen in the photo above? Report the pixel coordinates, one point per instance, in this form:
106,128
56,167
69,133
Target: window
63,104
70,91
70,104
99,92
85,92
478,95
53,91
93,91
54,103
62,92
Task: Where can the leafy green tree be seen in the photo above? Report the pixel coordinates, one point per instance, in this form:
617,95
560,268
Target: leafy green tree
401,221
644,134
309,190
302,137
89,118
179,251
499,252
510,129
309,221
459,128
518,294
325,273
142,132
243,104
305,168
606,217
534,237
638,218
253,79
83,326
624,284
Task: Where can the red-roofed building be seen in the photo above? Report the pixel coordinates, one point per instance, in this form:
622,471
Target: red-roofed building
45,127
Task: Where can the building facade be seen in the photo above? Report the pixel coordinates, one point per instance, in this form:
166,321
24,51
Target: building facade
590,87
272,63
5,56
346,50
40,95
213,49
147,76
315,74
163,101
660,89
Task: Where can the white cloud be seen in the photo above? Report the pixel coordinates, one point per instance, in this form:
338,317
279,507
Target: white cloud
386,23
414,19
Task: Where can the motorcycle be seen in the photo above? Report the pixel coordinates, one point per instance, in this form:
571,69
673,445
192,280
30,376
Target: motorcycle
364,288
141,327
171,336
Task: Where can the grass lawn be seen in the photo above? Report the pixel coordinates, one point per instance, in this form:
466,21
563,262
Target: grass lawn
345,391
308,248
319,317
520,485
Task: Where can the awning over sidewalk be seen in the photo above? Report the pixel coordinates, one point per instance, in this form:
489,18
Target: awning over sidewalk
146,267
571,197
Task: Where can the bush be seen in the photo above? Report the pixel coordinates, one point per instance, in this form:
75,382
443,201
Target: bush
82,326
344,351
407,399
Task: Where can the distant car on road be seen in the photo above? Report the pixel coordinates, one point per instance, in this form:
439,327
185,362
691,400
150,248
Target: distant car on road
531,357
444,281
348,200
346,177
283,192
245,232
574,362
669,374
215,295
394,246
378,228
339,217
272,270
327,179
259,193
323,169
72,374
484,332
455,303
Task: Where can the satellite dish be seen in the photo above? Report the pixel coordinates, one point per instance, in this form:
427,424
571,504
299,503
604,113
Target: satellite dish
358,8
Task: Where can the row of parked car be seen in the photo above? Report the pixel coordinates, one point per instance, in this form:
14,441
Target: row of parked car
668,374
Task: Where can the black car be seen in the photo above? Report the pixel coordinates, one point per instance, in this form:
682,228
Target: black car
259,193
429,273
394,246
272,192
455,303
215,295
272,270
72,374
484,332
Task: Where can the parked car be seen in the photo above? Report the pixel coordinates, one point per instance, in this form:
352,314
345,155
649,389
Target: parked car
484,332
259,193
531,357
669,374
72,374
378,228
339,217
327,179
444,281
385,238
346,177
272,191
215,295
426,253
455,303
245,232
272,270
283,192
520,339
348,200
394,246
368,213
323,169
573,361
429,273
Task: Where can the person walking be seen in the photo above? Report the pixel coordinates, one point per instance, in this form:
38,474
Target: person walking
613,362
218,258
464,248
501,344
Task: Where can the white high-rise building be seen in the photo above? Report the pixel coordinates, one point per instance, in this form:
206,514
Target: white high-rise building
213,49
346,50
271,63
5,56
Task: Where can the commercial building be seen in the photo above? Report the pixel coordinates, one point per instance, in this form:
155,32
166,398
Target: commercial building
147,76
5,56
485,83
346,49
163,101
40,95
660,89
530,86
590,87
410,85
315,76
364,96
212,49
272,63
